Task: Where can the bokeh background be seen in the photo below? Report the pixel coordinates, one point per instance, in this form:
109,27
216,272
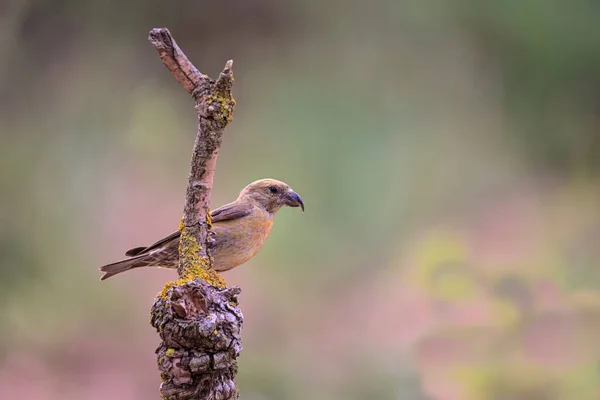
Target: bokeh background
447,151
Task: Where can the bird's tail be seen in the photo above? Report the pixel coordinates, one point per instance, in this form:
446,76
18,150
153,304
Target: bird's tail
120,266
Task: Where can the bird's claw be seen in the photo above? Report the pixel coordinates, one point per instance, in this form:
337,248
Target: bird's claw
211,237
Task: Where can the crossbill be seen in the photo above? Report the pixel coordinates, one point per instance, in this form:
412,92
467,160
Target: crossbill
239,229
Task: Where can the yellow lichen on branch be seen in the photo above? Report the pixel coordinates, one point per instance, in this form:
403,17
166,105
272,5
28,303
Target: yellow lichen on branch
208,220
170,352
164,292
195,266
222,106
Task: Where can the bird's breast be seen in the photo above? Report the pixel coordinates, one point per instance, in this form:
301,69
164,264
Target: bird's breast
238,240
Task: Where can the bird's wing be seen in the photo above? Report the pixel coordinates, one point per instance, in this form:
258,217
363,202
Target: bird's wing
141,250
227,212
231,211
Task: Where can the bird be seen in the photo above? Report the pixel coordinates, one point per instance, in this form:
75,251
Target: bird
239,229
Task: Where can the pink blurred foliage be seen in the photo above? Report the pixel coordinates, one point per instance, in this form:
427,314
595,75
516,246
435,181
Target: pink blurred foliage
390,315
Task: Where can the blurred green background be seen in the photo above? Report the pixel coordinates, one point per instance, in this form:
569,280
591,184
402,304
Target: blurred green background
447,152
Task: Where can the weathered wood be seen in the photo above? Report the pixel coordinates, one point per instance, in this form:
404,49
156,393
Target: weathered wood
197,317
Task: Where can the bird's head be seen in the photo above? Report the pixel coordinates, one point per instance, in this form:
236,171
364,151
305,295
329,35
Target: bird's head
271,195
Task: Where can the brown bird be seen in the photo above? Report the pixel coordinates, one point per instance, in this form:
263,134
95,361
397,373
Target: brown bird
239,230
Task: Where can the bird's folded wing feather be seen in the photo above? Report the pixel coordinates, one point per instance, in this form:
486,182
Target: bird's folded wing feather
235,210
227,212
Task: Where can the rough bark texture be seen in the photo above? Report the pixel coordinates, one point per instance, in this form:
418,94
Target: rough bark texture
197,317
199,325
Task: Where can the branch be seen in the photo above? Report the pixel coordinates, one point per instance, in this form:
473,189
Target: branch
197,317
175,60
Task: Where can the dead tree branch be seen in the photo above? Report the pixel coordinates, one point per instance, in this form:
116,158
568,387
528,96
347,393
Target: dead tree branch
197,317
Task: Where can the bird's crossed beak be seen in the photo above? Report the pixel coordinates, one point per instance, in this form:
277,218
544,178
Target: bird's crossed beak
292,199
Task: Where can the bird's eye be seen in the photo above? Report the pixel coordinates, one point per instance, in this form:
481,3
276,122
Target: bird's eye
273,189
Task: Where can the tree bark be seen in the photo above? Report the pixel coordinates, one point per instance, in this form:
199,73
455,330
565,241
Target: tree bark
197,317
